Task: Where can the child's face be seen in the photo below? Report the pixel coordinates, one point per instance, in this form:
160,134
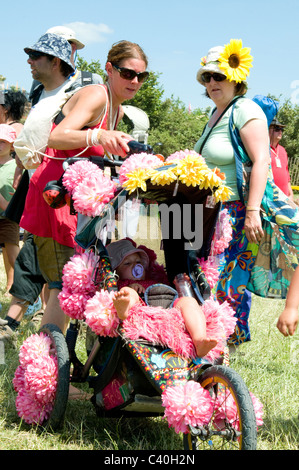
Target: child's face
124,270
5,148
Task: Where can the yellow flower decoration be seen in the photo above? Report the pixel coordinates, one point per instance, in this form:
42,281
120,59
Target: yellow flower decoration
164,177
191,170
235,61
203,61
137,179
211,180
222,193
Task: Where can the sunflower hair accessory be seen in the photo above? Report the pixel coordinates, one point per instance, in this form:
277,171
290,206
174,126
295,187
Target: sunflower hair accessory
235,61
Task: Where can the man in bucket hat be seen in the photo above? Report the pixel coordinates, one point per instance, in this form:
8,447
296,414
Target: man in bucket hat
78,77
50,61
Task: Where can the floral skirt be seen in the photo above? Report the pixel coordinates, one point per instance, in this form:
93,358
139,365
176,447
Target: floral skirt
235,269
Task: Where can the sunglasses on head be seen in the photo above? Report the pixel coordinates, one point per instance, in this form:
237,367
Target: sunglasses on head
277,128
218,77
129,74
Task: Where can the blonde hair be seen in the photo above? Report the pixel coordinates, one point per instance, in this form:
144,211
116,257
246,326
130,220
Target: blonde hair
123,50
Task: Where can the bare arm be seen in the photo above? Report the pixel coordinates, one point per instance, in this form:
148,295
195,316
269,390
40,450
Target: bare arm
288,320
86,106
255,138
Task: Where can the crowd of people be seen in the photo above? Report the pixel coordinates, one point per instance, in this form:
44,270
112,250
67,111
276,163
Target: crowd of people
87,125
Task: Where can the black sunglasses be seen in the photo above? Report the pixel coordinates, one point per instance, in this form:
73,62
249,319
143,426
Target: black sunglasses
129,74
218,77
34,55
277,128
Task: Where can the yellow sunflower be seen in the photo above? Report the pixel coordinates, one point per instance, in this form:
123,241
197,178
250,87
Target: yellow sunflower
235,61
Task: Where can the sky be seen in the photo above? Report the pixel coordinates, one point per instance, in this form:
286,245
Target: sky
174,34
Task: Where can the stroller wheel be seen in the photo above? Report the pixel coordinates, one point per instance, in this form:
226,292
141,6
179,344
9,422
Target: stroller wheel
232,425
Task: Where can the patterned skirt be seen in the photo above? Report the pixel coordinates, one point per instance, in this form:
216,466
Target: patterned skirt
235,269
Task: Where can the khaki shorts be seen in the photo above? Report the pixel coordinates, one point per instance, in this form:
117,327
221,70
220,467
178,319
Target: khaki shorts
52,256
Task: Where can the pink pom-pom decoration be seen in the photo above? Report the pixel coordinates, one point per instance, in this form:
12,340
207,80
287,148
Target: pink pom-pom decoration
140,160
35,379
100,314
37,345
90,196
73,303
180,155
226,411
77,172
77,273
187,404
223,233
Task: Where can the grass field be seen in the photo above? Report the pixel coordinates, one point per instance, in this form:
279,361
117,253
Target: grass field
268,364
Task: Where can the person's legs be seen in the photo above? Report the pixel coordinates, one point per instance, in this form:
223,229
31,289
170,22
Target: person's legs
195,322
124,300
52,257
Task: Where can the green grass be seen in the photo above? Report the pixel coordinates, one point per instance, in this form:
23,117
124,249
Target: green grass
268,364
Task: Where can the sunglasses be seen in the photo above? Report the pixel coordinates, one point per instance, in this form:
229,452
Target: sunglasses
218,77
277,128
34,55
129,74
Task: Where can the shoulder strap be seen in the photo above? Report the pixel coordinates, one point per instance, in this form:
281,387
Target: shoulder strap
215,124
237,147
86,78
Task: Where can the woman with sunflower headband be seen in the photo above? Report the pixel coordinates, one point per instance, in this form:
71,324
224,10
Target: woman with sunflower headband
223,72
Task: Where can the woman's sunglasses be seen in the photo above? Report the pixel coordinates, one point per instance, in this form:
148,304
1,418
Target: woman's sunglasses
129,74
277,128
218,77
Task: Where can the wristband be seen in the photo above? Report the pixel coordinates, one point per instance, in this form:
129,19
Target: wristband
251,208
95,137
87,138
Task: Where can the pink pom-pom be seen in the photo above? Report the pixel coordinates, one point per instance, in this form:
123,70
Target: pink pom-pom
140,160
77,274
30,410
181,154
77,172
35,379
37,345
73,303
100,314
41,379
19,379
90,196
223,233
226,411
187,404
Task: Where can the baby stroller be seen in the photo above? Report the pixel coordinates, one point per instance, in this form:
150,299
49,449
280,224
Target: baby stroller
129,377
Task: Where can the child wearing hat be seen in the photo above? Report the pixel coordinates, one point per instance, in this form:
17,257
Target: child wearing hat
132,267
9,230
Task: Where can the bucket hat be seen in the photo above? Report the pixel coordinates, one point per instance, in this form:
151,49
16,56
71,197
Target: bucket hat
54,45
66,33
7,133
211,63
120,249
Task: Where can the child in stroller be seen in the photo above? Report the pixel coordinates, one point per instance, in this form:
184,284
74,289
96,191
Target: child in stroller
131,266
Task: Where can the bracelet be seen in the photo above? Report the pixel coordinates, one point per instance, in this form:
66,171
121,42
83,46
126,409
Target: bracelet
95,137
251,208
87,138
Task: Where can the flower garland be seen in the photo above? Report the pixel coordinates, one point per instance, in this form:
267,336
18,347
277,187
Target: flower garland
35,379
186,167
235,61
